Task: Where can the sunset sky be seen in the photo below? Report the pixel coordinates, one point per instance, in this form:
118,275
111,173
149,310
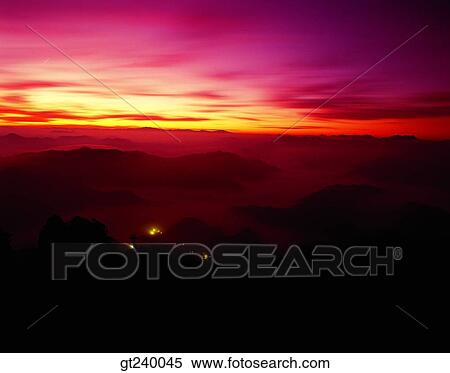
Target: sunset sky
248,66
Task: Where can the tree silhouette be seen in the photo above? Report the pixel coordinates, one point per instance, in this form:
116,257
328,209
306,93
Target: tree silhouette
76,230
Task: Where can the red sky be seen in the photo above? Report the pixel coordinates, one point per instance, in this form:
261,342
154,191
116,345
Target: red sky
248,66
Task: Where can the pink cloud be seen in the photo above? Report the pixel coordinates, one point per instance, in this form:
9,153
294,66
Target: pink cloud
34,84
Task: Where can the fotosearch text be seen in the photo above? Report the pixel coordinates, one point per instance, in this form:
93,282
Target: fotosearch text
121,261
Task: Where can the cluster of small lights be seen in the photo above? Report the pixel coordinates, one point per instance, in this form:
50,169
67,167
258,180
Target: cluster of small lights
153,231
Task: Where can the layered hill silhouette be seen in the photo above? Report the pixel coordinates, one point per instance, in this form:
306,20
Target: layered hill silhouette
115,168
351,214
36,185
13,143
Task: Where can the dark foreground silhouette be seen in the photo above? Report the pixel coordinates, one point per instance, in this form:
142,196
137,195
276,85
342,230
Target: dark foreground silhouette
307,314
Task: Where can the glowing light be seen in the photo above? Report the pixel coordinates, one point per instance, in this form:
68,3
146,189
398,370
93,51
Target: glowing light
153,231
